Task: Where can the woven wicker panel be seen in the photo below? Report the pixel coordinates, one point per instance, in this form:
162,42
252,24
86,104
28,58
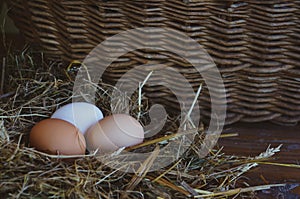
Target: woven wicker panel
254,43
190,18
294,38
145,14
288,98
268,27
289,85
43,28
70,20
103,19
226,43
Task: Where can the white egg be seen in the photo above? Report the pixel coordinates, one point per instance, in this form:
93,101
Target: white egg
80,114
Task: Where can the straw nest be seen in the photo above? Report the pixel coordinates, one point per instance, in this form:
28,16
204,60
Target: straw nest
33,89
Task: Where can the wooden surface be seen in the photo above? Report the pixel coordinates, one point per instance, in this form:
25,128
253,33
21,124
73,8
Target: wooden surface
254,139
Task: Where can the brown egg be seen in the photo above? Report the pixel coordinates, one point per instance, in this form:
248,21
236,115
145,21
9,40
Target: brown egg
55,136
113,132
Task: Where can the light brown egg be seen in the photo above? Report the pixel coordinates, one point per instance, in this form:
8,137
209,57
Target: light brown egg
113,132
55,136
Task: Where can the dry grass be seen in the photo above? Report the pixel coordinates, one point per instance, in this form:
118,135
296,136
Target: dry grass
34,89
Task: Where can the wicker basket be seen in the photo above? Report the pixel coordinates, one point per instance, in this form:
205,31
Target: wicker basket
254,43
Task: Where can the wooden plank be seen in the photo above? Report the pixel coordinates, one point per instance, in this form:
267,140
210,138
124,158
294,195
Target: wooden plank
254,139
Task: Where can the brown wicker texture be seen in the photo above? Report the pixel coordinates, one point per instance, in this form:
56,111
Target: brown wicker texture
254,43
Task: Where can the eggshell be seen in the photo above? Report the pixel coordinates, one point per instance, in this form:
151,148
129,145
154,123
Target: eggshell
113,132
55,136
81,114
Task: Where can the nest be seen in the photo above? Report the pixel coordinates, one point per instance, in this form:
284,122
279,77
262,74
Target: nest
34,88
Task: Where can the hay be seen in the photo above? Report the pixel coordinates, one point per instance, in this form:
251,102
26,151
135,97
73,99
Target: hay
35,88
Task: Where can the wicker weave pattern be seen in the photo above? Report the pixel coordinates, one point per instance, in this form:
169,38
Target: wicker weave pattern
255,44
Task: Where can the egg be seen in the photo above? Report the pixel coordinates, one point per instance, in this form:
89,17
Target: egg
80,114
113,132
55,136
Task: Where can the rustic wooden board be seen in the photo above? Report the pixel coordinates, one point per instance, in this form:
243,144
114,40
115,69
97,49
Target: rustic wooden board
254,139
